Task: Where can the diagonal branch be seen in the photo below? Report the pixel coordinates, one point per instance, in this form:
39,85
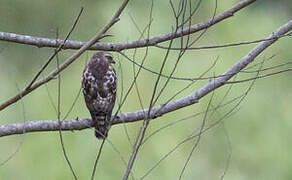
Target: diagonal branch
46,42
79,124
70,60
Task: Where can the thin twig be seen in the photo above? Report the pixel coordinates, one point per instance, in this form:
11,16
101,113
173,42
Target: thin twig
226,45
141,131
96,160
75,101
69,61
22,137
56,51
260,76
59,121
228,114
199,136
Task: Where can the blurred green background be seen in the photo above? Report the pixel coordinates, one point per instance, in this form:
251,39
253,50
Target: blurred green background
253,143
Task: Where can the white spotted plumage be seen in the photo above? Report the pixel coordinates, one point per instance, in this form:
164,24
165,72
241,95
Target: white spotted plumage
99,88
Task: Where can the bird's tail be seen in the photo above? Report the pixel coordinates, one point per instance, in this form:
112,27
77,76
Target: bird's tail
101,126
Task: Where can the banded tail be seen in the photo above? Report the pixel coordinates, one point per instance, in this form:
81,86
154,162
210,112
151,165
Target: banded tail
101,125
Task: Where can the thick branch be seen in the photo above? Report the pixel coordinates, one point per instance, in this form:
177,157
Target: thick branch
46,42
33,126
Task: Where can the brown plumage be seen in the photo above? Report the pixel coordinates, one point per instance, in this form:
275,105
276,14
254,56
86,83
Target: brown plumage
99,85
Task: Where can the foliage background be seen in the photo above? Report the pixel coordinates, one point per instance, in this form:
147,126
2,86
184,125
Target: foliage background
258,134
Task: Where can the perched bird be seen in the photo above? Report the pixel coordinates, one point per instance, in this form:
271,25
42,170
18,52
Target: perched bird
99,86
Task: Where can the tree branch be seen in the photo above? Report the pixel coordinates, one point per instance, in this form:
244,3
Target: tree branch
46,42
69,61
79,124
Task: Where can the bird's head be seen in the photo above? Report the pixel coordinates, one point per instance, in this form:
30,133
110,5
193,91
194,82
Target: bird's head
102,57
109,57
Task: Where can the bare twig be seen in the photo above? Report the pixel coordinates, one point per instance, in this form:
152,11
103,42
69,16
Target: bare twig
260,76
228,114
56,51
142,129
70,60
22,137
97,158
74,102
46,42
136,74
59,121
141,134
199,137
213,109
226,45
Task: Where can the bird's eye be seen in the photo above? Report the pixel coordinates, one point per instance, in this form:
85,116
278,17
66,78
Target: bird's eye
110,58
